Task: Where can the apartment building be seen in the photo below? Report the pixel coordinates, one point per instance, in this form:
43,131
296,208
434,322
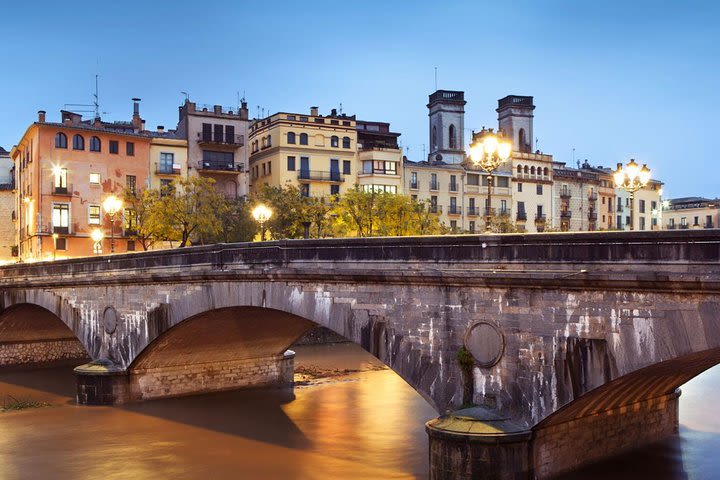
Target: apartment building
316,153
64,172
380,159
168,159
216,147
576,199
648,208
8,250
691,213
439,184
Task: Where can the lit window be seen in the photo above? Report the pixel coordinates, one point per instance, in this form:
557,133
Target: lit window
94,178
94,215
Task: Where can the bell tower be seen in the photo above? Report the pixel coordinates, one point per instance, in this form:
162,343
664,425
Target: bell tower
447,126
515,118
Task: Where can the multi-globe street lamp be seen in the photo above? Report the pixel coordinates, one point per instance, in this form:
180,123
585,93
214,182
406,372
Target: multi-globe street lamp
262,214
112,206
489,151
631,178
97,236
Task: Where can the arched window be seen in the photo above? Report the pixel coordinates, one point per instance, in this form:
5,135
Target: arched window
333,141
303,139
532,170
521,140
78,142
519,169
60,140
291,137
546,172
269,142
451,136
346,142
434,138
95,144
526,169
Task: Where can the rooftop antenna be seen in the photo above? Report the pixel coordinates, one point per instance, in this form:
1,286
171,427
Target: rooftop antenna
93,107
187,97
573,154
436,79
258,111
340,108
423,145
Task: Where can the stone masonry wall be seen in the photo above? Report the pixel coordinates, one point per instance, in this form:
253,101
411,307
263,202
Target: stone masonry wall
567,446
41,352
201,378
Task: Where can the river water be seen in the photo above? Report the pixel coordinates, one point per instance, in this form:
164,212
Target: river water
366,424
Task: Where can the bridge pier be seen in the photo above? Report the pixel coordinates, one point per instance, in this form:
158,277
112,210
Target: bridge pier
103,383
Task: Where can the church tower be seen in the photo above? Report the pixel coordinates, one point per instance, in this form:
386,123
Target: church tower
447,126
515,118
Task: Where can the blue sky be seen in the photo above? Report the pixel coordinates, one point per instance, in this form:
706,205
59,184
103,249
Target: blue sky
613,80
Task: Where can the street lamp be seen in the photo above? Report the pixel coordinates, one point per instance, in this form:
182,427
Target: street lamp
262,214
55,237
97,235
112,206
489,151
631,178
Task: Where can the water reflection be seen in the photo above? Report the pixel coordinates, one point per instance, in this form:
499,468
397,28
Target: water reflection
363,425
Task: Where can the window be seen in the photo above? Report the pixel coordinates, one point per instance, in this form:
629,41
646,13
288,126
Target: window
263,167
291,137
218,160
453,225
60,140
653,205
131,245
642,206
546,172
519,187
303,139
453,183
61,218
269,167
683,221
167,161
334,189
78,142
540,211
60,180
696,221
129,221
94,215
130,183
413,180
501,182
61,243
130,149
113,146
503,206
472,226
229,134
434,138
538,189
532,170
291,164
269,140
433,181
473,179
217,133
95,144
642,223
346,167
94,178
451,136
380,188
519,169
346,142
334,141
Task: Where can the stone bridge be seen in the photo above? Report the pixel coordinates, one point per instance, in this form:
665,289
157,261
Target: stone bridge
580,340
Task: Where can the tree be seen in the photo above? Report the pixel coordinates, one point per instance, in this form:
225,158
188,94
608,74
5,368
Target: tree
142,204
236,222
357,212
318,213
502,224
191,210
287,205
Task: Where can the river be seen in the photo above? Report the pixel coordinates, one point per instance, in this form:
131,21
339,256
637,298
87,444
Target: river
359,425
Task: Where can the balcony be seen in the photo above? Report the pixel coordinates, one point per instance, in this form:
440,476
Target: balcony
619,209
521,216
473,211
434,185
65,191
232,141
454,210
684,226
592,196
320,176
565,214
489,212
671,227
220,167
63,230
705,225
565,195
435,208
540,218
164,169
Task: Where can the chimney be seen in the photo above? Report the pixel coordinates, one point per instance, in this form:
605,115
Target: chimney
161,129
136,121
41,116
333,112
243,111
217,109
314,111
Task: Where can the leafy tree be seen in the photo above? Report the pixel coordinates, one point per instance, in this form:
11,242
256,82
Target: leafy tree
288,206
192,210
236,222
143,204
358,212
502,224
319,213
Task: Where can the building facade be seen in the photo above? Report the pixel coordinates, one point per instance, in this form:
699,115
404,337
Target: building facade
691,213
216,149
447,126
316,153
168,159
8,249
380,159
64,172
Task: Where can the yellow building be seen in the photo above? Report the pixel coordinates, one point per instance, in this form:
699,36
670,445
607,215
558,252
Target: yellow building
380,166
168,158
316,153
691,213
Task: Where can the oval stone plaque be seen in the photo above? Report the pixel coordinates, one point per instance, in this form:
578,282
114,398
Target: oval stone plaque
485,343
110,320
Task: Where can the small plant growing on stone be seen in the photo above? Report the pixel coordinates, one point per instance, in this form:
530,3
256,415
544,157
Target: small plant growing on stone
466,362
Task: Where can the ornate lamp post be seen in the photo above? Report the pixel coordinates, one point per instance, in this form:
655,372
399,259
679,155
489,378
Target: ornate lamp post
262,214
489,151
631,178
97,236
112,206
